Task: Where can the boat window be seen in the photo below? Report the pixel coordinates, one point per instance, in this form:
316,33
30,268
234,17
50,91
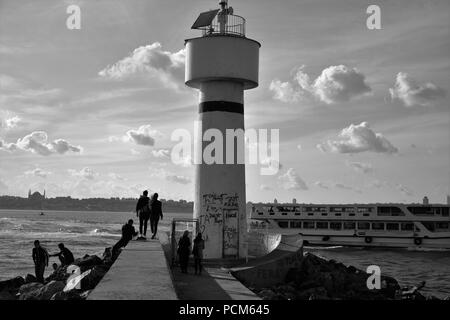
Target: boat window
260,213
310,214
363,225
324,213
321,225
297,213
283,224
296,224
308,224
364,209
349,225
445,211
351,214
442,225
377,225
422,210
392,226
406,226
284,213
336,225
366,214
337,214
271,213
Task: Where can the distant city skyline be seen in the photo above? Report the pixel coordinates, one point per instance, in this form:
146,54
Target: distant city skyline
363,114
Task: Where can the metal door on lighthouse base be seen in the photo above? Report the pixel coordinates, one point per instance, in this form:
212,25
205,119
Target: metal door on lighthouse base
230,229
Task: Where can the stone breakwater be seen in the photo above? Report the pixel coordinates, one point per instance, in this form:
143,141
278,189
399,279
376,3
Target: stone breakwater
28,288
316,278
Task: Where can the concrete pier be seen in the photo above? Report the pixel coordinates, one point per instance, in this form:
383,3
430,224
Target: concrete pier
142,272
139,273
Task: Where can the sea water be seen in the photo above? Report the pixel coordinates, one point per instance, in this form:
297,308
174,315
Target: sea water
91,232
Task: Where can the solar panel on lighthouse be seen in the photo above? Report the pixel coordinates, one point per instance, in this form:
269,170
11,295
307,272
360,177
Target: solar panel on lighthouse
205,19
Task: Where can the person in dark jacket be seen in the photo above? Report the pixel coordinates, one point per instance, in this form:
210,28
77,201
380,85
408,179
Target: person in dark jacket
184,250
155,214
143,212
128,232
197,251
64,255
40,259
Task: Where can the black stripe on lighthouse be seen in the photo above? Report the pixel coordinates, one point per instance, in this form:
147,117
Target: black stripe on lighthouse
224,106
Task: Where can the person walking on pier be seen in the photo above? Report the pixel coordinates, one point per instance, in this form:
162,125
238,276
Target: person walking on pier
40,259
128,232
143,213
197,251
184,250
155,214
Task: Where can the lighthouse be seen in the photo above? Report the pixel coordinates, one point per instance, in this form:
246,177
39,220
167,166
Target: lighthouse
221,64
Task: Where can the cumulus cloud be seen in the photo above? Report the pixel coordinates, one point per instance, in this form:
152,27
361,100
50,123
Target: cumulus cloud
37,142
161,153
292,181
359,138
150,60
38,172
335,84
9,122
144,135
264,187
408,91
85,173
360,166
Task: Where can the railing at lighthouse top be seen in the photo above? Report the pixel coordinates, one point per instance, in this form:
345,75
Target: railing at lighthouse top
230,25
220,22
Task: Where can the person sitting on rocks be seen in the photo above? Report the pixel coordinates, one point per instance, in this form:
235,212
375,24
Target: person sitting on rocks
40,259
64,255
128,232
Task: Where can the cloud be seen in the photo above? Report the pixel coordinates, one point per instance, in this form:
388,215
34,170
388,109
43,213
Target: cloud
144,135
178,179
85,173
359,138
116,176
335,84
150,60
38,172
265,187
411,93
292,181
134,152
161,153
8,123
360,166
37,142
320,184
346,187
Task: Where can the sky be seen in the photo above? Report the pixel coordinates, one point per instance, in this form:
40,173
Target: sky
363,115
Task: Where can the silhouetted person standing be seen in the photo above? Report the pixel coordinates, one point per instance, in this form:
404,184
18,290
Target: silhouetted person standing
40,259
143,212
197,251
184,250
128,232
64,255
155,214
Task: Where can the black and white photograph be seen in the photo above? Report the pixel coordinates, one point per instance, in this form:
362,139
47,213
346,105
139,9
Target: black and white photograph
225,157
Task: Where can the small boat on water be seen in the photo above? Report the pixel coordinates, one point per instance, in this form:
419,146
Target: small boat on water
367,225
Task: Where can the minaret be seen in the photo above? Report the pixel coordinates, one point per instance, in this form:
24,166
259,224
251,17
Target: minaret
221,64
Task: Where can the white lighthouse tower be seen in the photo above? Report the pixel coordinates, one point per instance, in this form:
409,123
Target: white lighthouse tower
221,64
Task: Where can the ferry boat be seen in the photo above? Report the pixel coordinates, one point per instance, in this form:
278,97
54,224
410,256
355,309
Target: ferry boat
368,225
